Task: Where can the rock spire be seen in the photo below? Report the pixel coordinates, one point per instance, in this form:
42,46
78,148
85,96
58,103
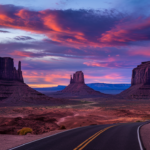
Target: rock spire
78,87
78,77
8,71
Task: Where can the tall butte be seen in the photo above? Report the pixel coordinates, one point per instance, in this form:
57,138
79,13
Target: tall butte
8,71
13,90
140,82
78,87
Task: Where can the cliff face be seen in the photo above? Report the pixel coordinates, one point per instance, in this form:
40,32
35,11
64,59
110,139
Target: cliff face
140,83
78,77
8,71
141,74
78,87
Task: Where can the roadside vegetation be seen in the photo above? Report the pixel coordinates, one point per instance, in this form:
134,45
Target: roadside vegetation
24,131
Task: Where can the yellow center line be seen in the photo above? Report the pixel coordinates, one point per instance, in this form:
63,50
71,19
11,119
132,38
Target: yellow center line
86,142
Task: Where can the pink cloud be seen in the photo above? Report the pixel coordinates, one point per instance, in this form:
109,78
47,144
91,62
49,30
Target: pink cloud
95,64
20,53
60,27
142,51
45,78
127,31
111,76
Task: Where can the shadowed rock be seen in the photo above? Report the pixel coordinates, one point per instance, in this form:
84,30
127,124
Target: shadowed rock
141,74
13,90
8,71
140,83
78,87
78,77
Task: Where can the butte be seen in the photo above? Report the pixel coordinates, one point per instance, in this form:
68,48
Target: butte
13,90
78,88
140,83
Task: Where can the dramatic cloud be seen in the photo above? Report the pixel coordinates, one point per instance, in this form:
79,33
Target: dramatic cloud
78,28
60,42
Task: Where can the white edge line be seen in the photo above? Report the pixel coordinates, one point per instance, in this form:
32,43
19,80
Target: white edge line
139,139
44,138
138,135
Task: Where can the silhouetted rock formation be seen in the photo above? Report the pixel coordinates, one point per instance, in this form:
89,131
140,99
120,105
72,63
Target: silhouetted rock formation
78,87
13,91
78,77
141,74
140,82
8,71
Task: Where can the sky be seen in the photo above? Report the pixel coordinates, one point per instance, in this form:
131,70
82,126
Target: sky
53,39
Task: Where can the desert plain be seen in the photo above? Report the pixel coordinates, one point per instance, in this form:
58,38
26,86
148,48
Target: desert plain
79,112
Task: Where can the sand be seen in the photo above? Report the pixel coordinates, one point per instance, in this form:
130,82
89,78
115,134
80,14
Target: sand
10,141
145,136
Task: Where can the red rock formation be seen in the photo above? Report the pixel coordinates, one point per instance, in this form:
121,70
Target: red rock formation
78,77
140,82
8,71
13,91
78,87
141,74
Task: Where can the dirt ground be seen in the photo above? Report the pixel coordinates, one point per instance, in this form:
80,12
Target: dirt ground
145,135
47,120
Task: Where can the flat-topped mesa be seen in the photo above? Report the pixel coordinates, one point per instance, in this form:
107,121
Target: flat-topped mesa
141,74
8,71
78,77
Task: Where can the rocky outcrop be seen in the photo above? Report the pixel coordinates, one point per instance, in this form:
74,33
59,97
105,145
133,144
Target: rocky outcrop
13,91
16,93
78,87
78,77
141,74
140,83
8,71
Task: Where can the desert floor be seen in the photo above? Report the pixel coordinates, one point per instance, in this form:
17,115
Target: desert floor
47,120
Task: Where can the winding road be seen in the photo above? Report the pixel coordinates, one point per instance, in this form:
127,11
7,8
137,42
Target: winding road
95,137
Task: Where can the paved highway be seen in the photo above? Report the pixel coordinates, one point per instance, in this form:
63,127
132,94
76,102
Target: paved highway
96,137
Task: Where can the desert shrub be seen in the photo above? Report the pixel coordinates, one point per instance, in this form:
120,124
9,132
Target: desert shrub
138,121
62,127
93,124
24,131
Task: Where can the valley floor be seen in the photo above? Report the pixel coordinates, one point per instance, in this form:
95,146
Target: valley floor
46,120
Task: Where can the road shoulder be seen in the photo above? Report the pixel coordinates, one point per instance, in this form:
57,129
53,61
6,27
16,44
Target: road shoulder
10,141
145,136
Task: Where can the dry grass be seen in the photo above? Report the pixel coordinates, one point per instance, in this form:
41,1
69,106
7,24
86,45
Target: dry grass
24,131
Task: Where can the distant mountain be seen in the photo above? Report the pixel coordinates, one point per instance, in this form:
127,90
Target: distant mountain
105,86
51,89
95,86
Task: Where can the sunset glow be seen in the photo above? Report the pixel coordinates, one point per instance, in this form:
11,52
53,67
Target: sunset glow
57,40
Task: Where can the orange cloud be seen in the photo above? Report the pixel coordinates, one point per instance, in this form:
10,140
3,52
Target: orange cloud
4,18
141,52
101,64
127,31
47,23
114,35
58,26
95,64
20,53
111,76
45,78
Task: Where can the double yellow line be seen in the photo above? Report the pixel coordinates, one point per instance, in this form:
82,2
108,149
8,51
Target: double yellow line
86,142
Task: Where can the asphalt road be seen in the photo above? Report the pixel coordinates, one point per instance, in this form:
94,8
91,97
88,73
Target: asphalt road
96,137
